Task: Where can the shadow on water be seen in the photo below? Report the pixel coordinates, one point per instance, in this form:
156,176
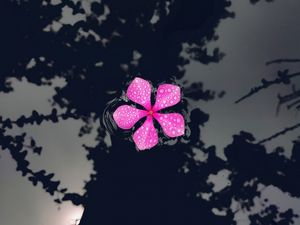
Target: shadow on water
98,56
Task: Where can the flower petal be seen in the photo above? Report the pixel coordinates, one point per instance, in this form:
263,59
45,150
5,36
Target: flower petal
139,91
126,116
171,123
146,136
167,95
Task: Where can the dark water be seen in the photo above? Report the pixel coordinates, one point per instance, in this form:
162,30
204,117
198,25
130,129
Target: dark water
164,185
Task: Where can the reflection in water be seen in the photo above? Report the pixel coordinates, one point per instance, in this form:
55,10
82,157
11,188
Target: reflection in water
94,52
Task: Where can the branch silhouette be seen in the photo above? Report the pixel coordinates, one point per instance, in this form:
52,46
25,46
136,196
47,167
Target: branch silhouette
280,133
283,78
291,99
278,61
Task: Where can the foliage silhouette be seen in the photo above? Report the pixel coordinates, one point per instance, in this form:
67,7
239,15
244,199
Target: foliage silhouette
94,55
292,100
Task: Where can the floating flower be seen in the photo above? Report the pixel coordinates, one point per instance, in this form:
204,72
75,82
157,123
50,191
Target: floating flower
139,91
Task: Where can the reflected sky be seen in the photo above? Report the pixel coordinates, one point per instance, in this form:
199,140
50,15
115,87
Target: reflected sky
259,33
62,154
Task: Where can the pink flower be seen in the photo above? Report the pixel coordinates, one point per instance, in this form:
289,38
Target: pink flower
139,91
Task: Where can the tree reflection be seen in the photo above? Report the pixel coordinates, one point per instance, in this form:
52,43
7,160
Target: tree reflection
96,48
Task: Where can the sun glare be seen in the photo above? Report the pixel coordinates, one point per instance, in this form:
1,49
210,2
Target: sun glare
74,215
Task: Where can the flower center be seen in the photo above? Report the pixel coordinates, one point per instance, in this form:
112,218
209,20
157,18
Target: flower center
150,112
